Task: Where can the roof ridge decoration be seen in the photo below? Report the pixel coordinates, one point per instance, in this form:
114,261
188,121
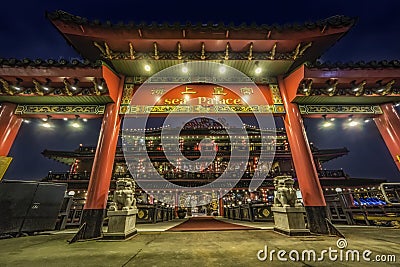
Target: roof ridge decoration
337,21
373,64
26,62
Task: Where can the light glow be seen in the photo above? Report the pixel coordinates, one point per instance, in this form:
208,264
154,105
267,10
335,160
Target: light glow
353,123
327,124
258,70
75,125
46,125
147,67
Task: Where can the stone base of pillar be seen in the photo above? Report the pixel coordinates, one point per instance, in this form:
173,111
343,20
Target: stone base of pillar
121,224
94,223
316,219
290,221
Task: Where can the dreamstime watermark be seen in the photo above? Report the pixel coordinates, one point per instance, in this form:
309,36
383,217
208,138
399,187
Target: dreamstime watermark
181,110
338,253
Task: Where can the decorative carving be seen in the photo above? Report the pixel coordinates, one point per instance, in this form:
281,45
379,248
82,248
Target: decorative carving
304,48
103,52
124,197
66,87
388,88
285,193
226,57
6,87
142,109
179,51
127,94
358,89
299,52
296,51
156,56
250,57
108,51
131,51
305,86
181,79
195,55
203,51
340,109
276,95
59,109
273,51
38,87
332,87
96,87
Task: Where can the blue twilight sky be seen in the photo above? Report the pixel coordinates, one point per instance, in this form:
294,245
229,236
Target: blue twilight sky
26,33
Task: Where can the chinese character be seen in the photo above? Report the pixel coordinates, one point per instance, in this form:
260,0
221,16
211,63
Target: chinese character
157,91
218,91
188,90
246,90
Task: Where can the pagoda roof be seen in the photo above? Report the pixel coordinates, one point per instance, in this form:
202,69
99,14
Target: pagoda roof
50,82
61,63
334,22
328,154
353,182
87,153
278,48
352,83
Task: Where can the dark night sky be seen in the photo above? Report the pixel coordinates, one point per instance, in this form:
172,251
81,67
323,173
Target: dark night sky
26,33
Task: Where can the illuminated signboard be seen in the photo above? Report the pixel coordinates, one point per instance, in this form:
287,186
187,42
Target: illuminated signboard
200,98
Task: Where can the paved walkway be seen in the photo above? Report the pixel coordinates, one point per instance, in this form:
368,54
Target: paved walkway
206,248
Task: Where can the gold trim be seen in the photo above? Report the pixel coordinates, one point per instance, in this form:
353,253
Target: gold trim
340,109
59,109
143,109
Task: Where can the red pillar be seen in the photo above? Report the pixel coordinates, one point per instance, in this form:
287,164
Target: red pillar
9,127
221,204
100,177
389,126
306,172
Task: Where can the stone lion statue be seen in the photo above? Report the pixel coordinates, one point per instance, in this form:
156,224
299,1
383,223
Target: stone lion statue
285,193
124,197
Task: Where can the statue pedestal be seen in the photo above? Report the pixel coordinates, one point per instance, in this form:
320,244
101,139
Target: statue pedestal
290,220
121,224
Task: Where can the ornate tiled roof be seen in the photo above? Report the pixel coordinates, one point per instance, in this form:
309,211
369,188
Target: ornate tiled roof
384,64
337,21
12,62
